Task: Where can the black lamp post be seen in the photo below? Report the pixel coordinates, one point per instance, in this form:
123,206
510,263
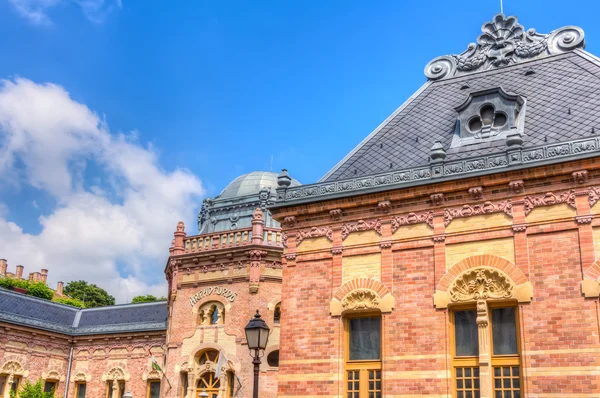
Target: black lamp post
257,335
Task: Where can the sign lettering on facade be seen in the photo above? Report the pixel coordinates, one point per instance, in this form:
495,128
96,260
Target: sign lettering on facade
207,291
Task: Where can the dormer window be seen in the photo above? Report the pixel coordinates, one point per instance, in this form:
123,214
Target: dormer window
487,116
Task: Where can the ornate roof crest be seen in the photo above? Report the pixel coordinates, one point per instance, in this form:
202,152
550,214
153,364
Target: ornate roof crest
503,42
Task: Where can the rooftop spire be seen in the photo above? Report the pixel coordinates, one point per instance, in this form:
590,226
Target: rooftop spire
503,42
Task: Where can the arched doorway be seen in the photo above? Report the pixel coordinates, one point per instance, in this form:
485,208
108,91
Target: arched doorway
209,383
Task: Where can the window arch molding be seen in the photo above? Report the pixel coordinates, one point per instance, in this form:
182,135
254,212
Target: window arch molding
116,373
359,295
509,282
221,302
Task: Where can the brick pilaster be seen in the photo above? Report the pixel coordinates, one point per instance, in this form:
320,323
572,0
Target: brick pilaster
519,228
439,245
586,233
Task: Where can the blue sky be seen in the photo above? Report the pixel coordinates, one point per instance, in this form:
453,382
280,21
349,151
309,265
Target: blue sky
203,92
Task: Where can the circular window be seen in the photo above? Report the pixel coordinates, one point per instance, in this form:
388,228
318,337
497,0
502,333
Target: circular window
273,359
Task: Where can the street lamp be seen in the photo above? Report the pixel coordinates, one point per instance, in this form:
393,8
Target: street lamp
257,335
128,394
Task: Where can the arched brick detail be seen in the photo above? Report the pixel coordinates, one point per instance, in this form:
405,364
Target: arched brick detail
361,283
485,260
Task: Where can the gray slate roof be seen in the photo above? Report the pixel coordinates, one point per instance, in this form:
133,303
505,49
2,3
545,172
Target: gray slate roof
563,104
42,314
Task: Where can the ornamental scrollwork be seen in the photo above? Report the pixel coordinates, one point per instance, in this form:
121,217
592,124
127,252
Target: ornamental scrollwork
361,225
549,199
481,284
594,196
80,377
485,208
412,218
314,232
12,368
360,299
503,42
116,373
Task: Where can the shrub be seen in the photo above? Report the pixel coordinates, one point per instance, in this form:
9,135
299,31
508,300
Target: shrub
32,390
37,289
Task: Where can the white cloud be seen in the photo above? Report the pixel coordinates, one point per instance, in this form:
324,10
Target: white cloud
36,11
116,233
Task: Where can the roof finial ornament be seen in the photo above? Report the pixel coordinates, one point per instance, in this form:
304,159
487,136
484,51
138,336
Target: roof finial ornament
503,42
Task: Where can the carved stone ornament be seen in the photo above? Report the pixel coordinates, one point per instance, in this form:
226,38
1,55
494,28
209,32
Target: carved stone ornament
436,199
12,368
385,206
361,225
360,299
337,250
485,208
580,176
549,199
80,377
116,373
385,244
594,196
412,218
516,186
335,214
314,232
587,219
503,42
476,193
291,256
258,214
481,284
284,239
180,226
290,221
274,265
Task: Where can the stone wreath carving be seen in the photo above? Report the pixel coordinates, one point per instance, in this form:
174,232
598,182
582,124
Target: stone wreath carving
481,284
80,376
485,208
503,41
361,225
314,232
412,218
549,199
360,299
116,373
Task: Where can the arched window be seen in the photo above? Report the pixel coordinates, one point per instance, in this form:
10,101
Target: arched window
277,314
208,356
212,313
210,384
273,359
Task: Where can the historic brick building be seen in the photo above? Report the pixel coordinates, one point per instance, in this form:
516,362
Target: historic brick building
453,253
217,279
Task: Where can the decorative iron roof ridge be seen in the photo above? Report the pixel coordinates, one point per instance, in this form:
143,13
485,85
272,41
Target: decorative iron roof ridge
504,42
507,160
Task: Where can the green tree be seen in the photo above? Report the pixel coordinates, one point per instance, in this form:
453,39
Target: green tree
90,294
32,390
69,301
147,299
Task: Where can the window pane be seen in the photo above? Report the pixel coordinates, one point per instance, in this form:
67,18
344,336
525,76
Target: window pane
465,334
364,338
81,390
154,389
49,386
504,331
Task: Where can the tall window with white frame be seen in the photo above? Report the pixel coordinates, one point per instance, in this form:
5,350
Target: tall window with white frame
505,360
362,356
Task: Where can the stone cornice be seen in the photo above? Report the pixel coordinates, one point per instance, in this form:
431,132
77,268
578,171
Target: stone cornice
439,172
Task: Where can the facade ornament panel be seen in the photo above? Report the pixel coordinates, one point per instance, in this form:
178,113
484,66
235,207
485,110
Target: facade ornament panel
12,367
412,218
503,42
314,232
580,176
437,199
481,284
485,208
516,186
385,206
360,299
476,193
335,214
549,199
361,225
290,221
594,195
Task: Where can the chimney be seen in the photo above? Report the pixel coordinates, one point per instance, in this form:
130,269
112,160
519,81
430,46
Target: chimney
44,277
31,276
3,267
59,288
19,273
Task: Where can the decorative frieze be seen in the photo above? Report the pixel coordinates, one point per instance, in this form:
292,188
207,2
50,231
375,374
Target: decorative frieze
314,232
361,225
412,218
549,199
475,210
207,291
274,265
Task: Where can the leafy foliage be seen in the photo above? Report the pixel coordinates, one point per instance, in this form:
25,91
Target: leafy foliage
32,390
90,294
70,301
36,289
147,299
